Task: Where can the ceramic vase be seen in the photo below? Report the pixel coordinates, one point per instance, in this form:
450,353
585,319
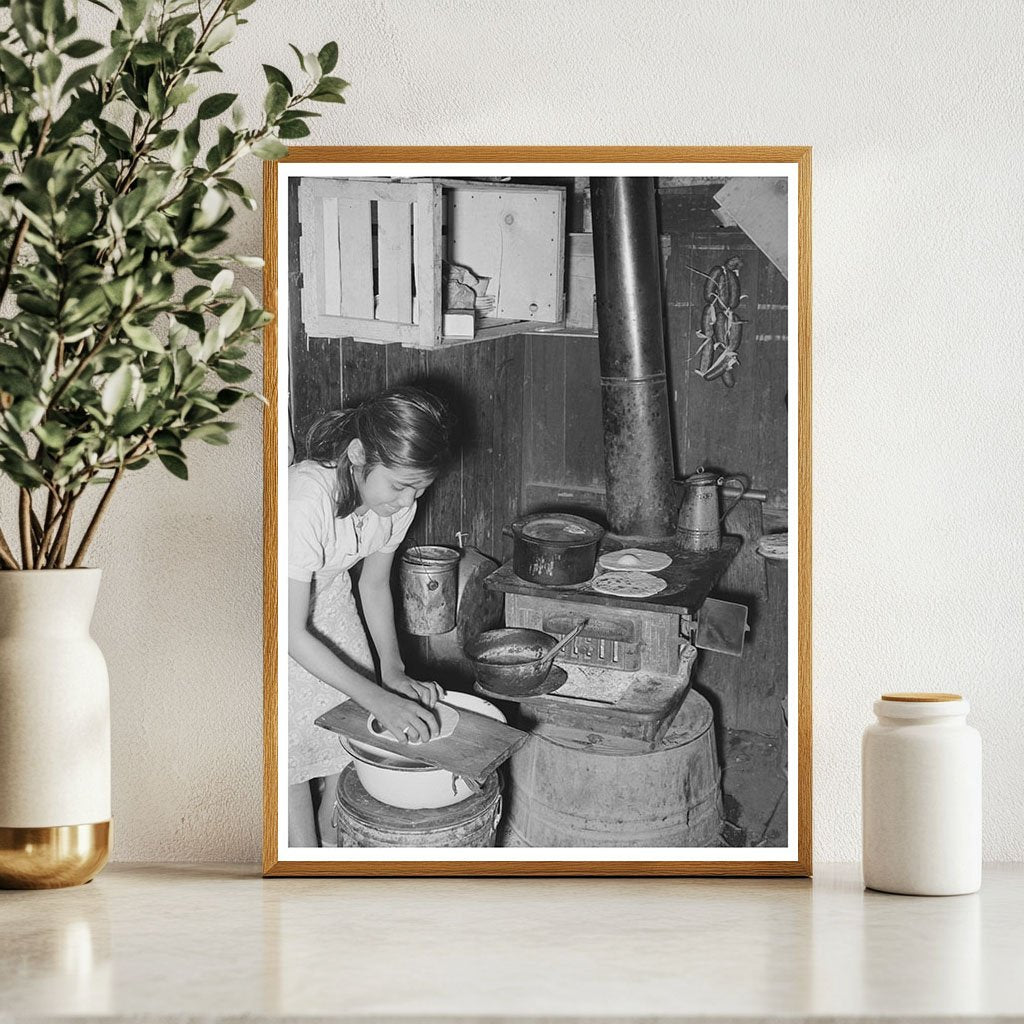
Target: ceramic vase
54,731
921,776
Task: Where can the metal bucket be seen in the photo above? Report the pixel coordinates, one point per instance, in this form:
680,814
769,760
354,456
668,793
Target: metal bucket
429,582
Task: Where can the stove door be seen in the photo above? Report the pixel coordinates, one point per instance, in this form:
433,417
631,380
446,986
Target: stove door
721,626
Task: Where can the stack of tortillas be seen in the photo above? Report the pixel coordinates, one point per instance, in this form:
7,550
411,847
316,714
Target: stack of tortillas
774,546
629,584
635,560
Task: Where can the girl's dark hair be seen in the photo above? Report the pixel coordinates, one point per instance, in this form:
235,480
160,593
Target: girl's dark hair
403,428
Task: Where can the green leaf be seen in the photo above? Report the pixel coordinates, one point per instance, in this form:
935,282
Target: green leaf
83,48
274,76
133,13
232,319
333,84
53,435
292,130
214,105
109,65
221,35
326,96
193,379
144,338
78,78
53,14
232,373
16,70
328,57
26,413
222,282
149,53
181,94
227,397
276,100
184,44
129,421
175,465
311,66
49,68
269,149
156,101
211,433
116,390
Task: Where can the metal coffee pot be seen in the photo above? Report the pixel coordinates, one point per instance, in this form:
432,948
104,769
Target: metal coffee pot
699,526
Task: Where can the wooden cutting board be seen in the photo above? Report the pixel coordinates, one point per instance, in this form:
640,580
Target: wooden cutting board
476,748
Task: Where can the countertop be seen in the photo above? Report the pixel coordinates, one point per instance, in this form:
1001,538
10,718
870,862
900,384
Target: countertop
175,942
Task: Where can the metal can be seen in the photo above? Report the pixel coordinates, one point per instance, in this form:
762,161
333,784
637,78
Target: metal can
429,583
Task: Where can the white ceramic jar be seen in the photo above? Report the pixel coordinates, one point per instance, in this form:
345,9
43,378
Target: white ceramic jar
921,789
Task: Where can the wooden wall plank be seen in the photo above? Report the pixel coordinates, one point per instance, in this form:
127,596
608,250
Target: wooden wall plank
356,241
546,455
584,448
394,261
478,389
508,432
330,267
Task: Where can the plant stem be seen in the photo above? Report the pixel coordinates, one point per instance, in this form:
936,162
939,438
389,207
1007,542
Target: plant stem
97,516
85,359
54,509
19,234
25,522
6,555
60,544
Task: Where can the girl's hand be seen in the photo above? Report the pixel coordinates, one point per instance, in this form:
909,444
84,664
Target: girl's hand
404,718
425,693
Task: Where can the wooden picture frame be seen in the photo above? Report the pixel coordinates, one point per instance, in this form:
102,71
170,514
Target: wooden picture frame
334,358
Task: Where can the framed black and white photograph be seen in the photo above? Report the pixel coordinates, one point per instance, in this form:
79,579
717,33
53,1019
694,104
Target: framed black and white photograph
537,512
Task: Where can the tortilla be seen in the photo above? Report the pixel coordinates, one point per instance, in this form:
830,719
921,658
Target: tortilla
635,560
446,713
629,584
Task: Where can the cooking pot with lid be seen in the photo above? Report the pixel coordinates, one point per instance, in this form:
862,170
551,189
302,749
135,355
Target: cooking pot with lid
554,548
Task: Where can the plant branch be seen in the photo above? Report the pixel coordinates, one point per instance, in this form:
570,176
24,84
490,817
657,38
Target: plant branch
25,522
6,554
96,517
22,229
56,555
87,357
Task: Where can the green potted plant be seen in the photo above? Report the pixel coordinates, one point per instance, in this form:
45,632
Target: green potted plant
122,339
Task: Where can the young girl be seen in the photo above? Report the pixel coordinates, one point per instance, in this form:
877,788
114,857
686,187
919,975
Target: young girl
353,501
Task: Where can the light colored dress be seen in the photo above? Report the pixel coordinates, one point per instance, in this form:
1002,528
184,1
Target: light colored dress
321,549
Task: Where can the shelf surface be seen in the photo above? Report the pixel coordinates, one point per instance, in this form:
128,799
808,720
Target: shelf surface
180,942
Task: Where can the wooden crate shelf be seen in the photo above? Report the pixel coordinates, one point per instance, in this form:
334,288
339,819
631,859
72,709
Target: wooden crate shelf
372,252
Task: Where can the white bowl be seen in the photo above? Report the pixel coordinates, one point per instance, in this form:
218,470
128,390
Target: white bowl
404,782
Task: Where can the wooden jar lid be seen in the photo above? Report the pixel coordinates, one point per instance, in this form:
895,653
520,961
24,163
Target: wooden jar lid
921,698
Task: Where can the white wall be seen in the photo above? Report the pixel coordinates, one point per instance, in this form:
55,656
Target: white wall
914,111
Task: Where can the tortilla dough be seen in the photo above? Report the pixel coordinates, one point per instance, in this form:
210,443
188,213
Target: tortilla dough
635,560
629,584
449,719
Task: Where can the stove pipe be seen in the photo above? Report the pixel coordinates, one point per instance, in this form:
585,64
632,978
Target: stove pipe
634,390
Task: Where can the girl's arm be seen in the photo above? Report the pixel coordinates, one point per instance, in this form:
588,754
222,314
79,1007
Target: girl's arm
379,612
396,713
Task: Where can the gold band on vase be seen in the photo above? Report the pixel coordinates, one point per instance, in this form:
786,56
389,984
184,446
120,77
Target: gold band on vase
52,857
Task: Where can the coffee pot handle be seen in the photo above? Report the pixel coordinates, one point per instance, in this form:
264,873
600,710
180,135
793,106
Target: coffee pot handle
744,483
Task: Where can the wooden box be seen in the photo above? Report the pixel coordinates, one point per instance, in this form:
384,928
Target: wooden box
372,252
